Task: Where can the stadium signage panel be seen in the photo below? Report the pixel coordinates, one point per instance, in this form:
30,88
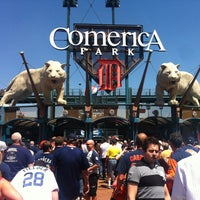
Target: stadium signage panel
98,40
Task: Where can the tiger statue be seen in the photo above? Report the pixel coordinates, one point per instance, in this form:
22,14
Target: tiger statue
47,78
175,82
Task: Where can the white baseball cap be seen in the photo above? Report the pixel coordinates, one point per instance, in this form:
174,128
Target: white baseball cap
3,146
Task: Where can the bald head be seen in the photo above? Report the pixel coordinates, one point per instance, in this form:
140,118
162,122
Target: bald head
90,144
140,139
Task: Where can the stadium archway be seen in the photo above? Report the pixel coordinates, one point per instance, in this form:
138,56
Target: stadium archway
64,125
159,127
190,127
29,128
113,125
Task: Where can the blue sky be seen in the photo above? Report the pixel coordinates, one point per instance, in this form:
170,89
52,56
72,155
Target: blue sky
26,26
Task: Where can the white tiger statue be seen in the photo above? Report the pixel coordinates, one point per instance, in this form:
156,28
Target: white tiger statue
47,78
175,82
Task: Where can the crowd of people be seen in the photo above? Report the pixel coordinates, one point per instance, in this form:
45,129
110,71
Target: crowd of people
69,168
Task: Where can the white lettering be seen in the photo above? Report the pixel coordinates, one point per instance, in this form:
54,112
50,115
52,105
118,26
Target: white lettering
113,35
98,52
124,38
114,51
112,39
52,38
130,52
157,41
77,34
140,39
83,50
88,37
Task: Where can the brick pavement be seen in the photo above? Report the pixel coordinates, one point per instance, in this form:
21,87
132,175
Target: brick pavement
103,193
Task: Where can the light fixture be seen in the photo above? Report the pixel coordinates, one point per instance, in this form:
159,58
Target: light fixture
70,3
112,3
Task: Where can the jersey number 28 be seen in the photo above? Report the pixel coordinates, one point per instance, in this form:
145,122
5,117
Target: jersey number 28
33,179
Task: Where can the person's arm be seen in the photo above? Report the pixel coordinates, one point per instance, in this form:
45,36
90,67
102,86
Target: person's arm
85,181
120,179
93,167
95,161
172,169
55,195
121,153
8,191
132,191
167,195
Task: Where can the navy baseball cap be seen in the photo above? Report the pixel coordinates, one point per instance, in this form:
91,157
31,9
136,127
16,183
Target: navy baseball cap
190,140
72,136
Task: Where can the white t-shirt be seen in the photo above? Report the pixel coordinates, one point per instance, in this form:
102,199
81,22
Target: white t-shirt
104,147
187,179
35,183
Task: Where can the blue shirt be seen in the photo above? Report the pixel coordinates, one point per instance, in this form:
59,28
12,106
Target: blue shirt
47,158
93,159
17,158
179,154
126,161
69,164
5,171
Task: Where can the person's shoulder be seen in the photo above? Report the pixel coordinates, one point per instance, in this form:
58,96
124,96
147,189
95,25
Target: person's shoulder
22,149
12,146
4,166
48,155
95,154
137,152
21,172
69,149
190,160
141,162
180,151
138,163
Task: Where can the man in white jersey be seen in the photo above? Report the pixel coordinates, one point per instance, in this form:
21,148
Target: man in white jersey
37,182
186,184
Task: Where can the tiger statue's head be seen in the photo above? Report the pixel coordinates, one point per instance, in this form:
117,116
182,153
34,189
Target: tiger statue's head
53,73
168,75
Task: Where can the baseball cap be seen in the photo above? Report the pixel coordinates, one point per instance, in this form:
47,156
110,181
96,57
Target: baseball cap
72,136
190,140
3,146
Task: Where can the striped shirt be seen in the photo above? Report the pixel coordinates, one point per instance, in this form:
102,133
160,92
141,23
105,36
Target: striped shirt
150,181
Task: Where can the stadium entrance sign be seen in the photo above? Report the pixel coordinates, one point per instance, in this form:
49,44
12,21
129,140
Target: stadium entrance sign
101,40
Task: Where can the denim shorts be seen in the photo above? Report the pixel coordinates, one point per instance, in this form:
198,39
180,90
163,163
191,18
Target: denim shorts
111,165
